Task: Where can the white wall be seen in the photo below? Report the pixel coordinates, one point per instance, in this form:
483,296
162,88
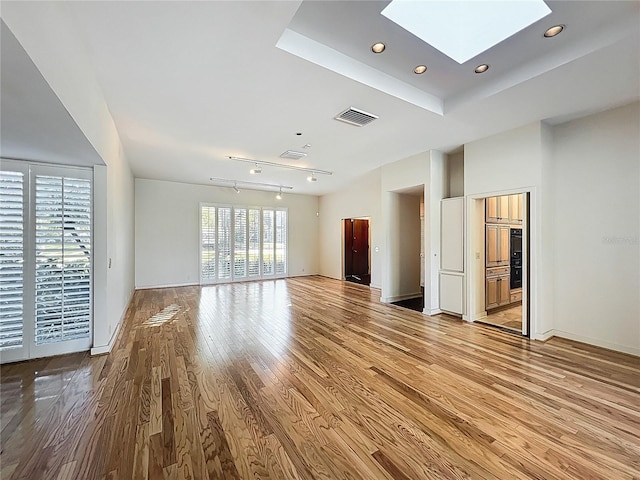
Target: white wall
360,199
584,179
455,175
167,229
596,221
45,31
435,192
398,176
510,162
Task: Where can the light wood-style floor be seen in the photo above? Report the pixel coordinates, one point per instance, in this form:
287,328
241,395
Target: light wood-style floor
313,378
508,318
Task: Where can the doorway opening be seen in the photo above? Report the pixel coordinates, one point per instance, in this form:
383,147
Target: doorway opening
504,278
406,240
357,262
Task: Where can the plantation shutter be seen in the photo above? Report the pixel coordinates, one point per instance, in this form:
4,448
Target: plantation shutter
11,259
254,242
281,242
208,243
224,242
62,258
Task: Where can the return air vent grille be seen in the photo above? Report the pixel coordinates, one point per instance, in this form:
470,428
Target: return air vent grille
293,155
356,117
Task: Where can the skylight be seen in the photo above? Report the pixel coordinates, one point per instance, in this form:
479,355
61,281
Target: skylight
462,29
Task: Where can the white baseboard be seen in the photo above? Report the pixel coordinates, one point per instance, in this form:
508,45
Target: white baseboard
477,316
398,298
431,311
104,349
377,287
169,285
543,337
592,341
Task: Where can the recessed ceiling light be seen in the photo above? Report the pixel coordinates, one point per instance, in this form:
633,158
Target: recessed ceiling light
482,68
420,69
378,47
553,31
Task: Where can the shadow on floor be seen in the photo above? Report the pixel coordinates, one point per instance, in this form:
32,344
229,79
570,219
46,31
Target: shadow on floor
416,304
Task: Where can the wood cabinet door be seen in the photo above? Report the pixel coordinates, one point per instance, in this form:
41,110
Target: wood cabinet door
504,292
491,243
515,208
503,209
503,245
491,293
491,210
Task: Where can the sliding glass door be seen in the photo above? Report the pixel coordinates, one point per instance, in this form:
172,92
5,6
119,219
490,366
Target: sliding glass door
242,243
45,260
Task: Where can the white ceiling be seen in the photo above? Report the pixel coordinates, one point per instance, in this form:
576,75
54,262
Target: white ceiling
191,83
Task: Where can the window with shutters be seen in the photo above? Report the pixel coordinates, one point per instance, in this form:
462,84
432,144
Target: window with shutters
46,260
62,258
11,259
239,243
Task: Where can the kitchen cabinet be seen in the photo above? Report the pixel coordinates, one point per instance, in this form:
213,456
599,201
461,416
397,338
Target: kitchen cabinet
504,209
515,208
497,209
497,245
497,289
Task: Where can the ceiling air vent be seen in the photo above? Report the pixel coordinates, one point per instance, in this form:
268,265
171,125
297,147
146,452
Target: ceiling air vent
356,117
293,155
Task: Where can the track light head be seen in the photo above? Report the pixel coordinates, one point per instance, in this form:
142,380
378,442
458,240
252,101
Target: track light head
279,195
257,169
312,177
235,188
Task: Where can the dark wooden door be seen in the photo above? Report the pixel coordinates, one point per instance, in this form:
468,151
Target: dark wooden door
356,250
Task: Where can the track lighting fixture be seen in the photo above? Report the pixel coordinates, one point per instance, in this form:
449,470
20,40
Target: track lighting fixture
227,182
259,163
312,177
279,195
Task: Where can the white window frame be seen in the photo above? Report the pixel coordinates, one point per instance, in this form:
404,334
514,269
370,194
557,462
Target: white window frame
29,348
246,278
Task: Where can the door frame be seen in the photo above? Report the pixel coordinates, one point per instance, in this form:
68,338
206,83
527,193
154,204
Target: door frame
530,247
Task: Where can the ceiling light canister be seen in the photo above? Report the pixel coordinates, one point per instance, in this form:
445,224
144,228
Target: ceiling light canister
482,68
553,31
279,195
378,47
420,69
256,170
312,177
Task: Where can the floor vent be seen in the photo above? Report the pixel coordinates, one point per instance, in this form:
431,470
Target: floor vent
356,117
293,155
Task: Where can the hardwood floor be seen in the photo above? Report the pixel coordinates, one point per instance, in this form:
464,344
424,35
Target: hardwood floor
508,318
313,378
